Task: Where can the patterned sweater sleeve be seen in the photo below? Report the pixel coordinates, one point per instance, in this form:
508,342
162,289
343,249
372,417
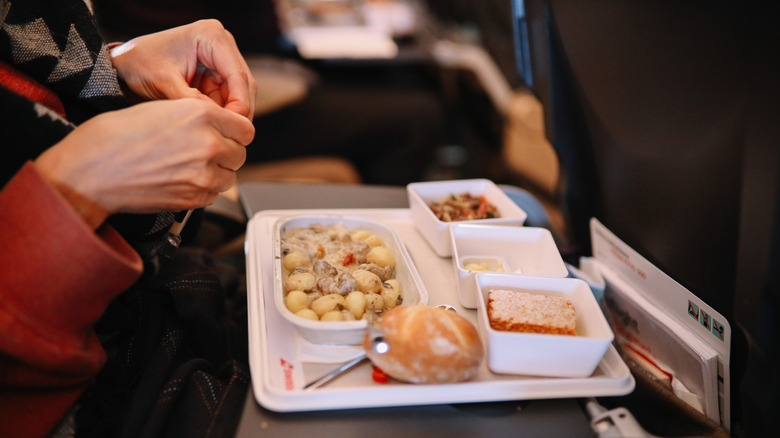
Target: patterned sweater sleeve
57,278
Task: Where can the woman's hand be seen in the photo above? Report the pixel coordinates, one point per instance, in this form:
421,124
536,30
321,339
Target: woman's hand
156,156
199,60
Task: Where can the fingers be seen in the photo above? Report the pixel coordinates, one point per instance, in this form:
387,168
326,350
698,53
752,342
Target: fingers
233,157
224,180
215,147
220,54
234,126
178,89
233,133
243,80
155,156
199,60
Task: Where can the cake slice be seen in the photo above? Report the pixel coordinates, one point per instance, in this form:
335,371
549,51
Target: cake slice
516,311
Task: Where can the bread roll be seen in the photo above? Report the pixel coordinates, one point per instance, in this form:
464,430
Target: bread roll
427,345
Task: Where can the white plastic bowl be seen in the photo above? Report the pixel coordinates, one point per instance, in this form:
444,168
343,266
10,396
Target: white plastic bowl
435,231
345,332
520,250
535,354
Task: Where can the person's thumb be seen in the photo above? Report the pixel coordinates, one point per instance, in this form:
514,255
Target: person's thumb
179,89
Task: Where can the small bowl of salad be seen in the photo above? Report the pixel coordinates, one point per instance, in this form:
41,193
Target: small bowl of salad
436,205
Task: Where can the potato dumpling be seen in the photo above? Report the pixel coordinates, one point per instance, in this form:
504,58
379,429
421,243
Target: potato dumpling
296,300
374,241
333,315
381,256
391,292
361,235
331,273
295,260
326,303
300,281
367,281
355,303
308,314
375,301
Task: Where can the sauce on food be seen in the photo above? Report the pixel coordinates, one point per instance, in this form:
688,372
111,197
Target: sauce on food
332,273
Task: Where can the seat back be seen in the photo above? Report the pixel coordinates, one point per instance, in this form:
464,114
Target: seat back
664,116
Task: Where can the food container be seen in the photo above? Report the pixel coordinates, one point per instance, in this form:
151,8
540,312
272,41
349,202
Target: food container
516,250
537,354
435,231
344,332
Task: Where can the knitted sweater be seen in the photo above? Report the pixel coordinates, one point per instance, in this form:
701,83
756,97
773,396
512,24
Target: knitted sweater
88,331
54,45
57,275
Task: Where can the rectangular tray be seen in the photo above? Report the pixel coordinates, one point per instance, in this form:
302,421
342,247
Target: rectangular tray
281,362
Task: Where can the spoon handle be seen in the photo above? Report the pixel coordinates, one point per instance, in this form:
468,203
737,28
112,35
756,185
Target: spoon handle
320,381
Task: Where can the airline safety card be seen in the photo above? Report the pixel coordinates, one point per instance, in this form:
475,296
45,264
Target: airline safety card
678,338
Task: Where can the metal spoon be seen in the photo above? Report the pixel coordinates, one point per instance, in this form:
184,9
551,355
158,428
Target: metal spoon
320,381
447,307
378,344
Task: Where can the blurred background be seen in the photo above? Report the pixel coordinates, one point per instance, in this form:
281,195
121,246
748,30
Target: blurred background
376,91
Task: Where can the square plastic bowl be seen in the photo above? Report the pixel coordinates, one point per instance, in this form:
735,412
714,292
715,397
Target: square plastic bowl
435,231
536,354
510,250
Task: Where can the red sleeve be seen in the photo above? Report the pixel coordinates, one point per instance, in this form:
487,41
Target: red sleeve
57,278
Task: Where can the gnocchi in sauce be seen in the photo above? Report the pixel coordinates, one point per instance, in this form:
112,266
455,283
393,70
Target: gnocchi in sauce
332,273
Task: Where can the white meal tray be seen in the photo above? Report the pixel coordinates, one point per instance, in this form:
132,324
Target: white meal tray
281,362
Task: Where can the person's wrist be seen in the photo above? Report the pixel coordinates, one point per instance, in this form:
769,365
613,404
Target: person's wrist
110,50
115,50
90,211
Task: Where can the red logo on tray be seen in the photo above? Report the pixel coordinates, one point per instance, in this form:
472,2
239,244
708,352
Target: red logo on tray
287,369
